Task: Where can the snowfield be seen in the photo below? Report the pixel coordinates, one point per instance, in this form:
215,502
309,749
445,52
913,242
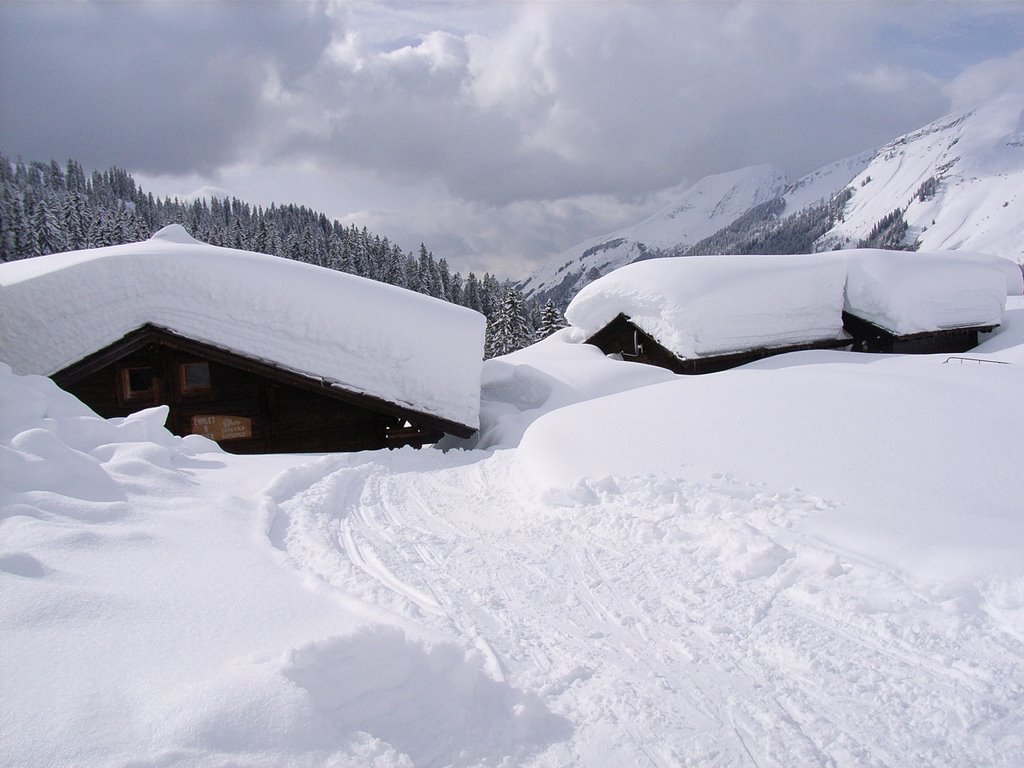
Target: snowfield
813,560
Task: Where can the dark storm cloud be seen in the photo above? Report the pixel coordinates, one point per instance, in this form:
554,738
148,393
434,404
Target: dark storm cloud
164,87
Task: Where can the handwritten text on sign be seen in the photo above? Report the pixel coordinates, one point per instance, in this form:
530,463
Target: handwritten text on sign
222,427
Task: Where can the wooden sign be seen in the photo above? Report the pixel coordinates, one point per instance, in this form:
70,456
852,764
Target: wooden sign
222,427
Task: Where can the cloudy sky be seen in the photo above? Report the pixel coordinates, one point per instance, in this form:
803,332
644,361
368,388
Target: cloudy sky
500,133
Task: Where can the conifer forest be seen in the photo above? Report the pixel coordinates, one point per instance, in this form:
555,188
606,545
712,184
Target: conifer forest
49,208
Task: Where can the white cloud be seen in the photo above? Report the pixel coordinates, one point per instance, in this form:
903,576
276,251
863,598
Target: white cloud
985,80
505,131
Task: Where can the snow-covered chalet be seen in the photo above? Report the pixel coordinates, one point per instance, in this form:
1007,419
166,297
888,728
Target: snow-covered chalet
259,353
701,314
924,302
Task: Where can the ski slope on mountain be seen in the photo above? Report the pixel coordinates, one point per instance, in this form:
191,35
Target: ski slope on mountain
976,160
791,563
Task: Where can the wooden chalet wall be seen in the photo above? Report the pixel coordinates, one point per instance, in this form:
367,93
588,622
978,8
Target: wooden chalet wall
621,337
248,406
868,337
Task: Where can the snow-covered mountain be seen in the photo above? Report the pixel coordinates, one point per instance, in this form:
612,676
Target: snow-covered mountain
955,184
958,182
703,209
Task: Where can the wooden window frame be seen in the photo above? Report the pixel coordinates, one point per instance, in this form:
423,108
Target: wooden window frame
183,386
129,395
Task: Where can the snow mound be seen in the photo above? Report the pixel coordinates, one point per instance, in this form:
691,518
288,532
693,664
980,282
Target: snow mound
914,292
518,388
363,336
434,704
53,444
936,497
708,305
175,233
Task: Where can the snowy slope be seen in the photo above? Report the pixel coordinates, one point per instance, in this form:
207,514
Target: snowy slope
820,185
362,335
976,157
706,207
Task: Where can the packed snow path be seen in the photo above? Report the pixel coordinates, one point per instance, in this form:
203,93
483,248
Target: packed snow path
668,622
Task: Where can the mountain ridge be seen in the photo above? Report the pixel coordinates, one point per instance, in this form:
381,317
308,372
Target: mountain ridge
956,183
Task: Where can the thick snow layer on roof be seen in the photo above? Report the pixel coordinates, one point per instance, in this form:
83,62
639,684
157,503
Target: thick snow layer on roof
707,305
914,292
358,334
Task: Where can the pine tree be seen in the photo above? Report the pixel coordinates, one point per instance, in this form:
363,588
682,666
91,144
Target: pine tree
74,223
48,228
490,295
550,320
471,293
508,331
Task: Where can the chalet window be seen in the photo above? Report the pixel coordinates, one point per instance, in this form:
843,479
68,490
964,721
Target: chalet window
138,383
194,377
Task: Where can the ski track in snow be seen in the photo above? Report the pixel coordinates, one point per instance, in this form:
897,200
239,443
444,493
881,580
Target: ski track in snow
671,622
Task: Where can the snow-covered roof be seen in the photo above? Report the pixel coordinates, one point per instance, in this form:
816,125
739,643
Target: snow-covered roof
700,306
357,334
918,292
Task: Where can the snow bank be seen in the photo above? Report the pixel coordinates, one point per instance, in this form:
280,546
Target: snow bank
148,618
1005,343
518,388
50,442
709,305
914,292
936,497
358,334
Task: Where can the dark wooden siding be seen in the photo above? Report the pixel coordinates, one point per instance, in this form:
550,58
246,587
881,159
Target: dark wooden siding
284,418
620,336
869,337
283,412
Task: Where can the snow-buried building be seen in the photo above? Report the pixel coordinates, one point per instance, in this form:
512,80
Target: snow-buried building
923,302
702,314
259,353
